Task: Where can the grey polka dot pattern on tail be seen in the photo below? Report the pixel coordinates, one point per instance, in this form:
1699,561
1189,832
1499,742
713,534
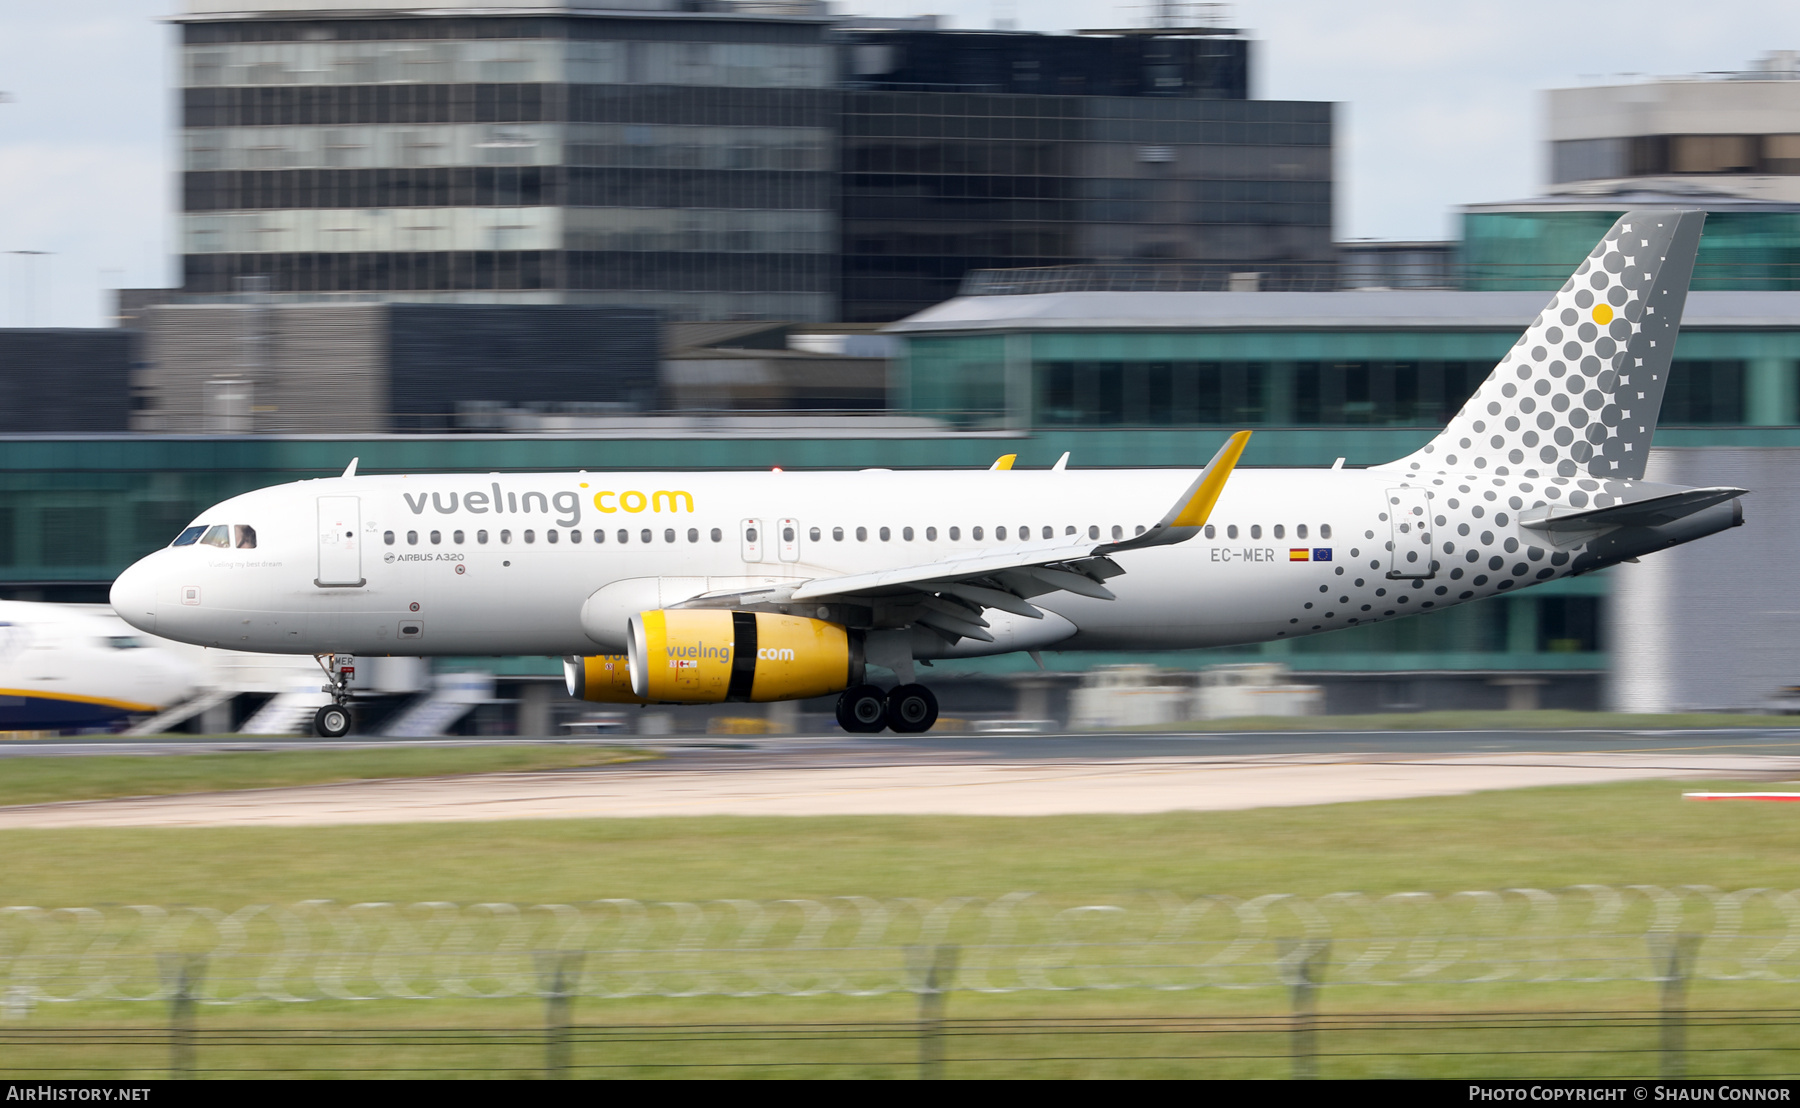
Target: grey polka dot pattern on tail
1580,391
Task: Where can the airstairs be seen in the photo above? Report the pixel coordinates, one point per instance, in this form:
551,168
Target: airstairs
453,696
174,717
291,712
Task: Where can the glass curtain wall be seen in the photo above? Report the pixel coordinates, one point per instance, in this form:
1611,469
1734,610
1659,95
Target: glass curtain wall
687,165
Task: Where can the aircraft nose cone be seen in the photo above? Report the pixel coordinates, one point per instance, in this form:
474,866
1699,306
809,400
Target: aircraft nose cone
134,597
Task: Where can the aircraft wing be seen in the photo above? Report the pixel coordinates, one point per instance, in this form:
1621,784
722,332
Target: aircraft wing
953,592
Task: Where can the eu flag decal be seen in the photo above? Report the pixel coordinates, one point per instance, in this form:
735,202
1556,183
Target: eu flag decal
1321,553
1297,554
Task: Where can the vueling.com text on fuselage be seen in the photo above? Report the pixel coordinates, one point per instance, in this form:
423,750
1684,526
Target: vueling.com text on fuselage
566,504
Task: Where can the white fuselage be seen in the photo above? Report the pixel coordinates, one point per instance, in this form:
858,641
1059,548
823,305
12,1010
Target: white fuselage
470,568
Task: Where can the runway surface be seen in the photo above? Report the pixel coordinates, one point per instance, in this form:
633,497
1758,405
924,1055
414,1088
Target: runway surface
953,775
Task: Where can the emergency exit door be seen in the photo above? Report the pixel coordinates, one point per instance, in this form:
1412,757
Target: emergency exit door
340,542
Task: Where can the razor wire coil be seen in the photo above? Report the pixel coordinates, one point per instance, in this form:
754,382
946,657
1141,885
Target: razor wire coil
865,946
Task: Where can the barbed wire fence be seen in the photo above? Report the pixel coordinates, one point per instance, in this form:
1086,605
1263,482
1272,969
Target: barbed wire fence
194,958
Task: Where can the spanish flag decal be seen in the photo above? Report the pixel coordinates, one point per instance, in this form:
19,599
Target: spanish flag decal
1299,554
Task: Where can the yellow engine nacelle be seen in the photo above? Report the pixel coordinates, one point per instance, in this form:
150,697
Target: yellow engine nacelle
705,656
604,678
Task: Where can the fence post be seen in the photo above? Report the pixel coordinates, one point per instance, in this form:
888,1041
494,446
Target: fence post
560,974
182,973
1303,969
1673,956
935,980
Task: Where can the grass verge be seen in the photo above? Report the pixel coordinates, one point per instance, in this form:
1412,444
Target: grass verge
1616,834
40,780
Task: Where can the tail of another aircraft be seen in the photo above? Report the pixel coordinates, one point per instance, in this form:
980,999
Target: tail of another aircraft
1580,392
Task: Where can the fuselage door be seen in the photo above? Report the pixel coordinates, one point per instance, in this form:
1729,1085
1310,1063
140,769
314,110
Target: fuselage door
1409,521
340,542
788,531
750,531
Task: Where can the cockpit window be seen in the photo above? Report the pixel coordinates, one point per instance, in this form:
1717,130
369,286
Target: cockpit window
246,536
217,535
190,536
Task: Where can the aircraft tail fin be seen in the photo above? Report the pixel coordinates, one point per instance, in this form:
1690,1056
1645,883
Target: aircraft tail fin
1579,393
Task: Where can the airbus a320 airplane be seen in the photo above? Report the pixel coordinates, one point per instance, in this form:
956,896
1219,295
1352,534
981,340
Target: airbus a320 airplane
699,587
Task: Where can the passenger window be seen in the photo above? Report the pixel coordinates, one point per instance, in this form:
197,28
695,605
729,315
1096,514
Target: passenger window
1324,530
1050,532
217,535
552,535
1119,532
599,535
1211,532
437,537
1140,529
862,534
931,534
975,533
787,534
530,535
1256,530
574,536
812,534
246,536
718,535
906,533
693,534
1000,534
412,538
647,536
1094,531
1231,531
955,533
387,537
1280,531
481,537
190,536
1069,530
837,534
506,536
1300,531
669,534
886,534
624,535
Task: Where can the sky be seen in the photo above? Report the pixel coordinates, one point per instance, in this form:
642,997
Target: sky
1439,106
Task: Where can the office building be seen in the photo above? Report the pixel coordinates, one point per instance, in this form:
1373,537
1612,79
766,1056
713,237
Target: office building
719,160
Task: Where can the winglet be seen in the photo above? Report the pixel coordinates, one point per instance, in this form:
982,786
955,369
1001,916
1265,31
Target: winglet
1062,462
350,470
1004,461
1190,513
1211,483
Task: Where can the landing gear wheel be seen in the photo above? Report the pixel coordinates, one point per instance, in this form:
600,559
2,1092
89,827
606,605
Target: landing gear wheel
911,709
332,721
862,710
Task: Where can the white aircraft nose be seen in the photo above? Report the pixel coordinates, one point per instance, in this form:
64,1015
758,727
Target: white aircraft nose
134,596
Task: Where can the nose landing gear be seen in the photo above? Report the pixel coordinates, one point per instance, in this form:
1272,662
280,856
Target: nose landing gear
333,720
866,710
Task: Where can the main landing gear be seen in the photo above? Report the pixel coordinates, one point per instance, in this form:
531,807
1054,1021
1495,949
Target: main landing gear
333,720
866,710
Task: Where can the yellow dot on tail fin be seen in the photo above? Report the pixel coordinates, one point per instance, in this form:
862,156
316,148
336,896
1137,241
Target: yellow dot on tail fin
1603,314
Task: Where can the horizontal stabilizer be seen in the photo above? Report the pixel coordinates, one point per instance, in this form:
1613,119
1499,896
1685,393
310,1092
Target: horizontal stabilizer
1640,513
